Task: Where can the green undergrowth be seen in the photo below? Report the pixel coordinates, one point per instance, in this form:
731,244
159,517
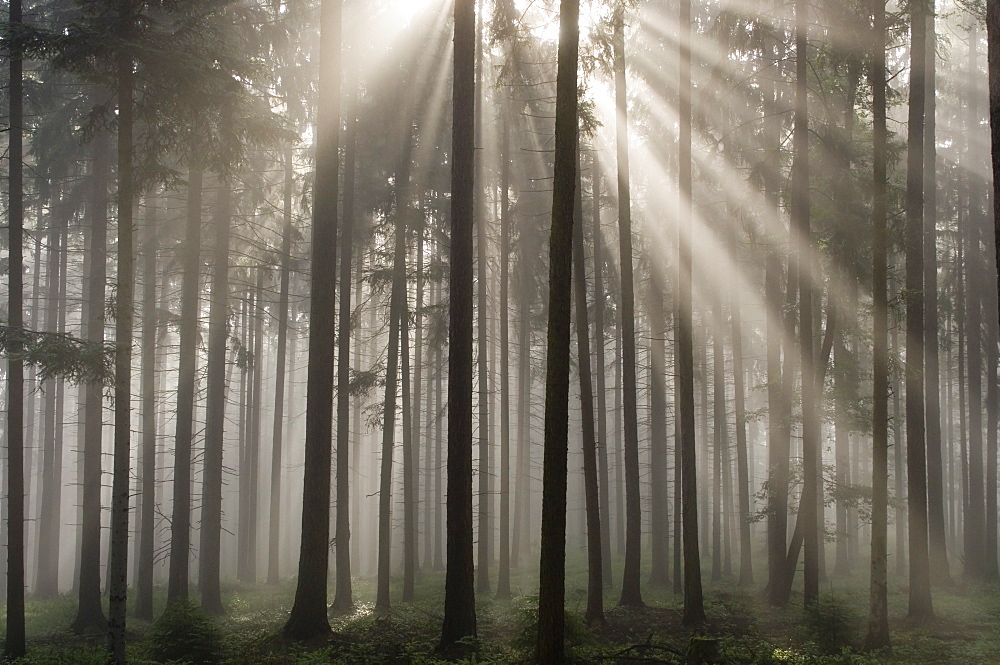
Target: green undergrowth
741,628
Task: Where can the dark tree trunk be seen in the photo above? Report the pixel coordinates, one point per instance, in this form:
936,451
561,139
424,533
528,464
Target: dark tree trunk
878,608
251,472
503,569
277,430
210,553
694,609
343,599
150,330
809,503
397,310
460,599
180,523
484,550
602,416
14,641
118,569
742,462
719,441
308,618
659,574
409,462
940,573
594,613
631,582
916,463
552,565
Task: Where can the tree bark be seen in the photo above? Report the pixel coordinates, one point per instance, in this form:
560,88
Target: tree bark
210,552
308,618
460,600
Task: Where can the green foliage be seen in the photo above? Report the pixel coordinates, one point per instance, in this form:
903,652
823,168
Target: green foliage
61,355
184,634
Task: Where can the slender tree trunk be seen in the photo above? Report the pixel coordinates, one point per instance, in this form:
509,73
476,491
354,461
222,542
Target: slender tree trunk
659,554
718,437
210,548
742,463
808,514
252,469
600,374
940,573
49,486
118,570
150,329
14,641
694,609
878,606
503,569
631,586
552,566
274,516
308,618
484,550
460,599
594,613
343,599
916,464
180,524
409,461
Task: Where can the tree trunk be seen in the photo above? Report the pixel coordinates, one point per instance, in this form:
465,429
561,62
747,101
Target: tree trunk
878,607
742,462
484,550
343,599
594,613
694,609
180,523
274,515
631,585
916,463
210,554
150,330
118,570
602,416
409,462
14,641
308,618
460,600
503,569
552,565
810,399
659,570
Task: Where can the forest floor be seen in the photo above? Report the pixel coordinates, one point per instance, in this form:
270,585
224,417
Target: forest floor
743,628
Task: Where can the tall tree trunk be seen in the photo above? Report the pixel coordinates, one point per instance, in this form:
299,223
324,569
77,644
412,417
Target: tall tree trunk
343,599
809,503
742,463
694,609
14,641
601,373
50,485
552,565
993,62
210,548
308,618
631,585
878,606
180,523
940,573
484,550
397,310
409,461
277,430
659,543
594,613
252,470
150,325
503,569
118,570
916,463
460,599
718,437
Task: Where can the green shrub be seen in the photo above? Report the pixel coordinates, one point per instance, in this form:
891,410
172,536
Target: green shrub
184,634
831,624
